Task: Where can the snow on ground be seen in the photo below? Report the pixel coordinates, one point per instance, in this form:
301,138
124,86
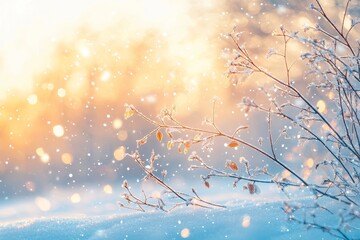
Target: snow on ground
241,220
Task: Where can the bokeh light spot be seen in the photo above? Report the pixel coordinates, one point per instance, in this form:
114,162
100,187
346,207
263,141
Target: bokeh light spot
122,135
67,158
321,106
309,163
43,204
32,99
61,92
185,233
120,153
58,130
117,123
246,221
75,198
108,189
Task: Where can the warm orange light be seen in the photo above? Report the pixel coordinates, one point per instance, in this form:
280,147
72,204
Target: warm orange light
120,153
117,123
122,135
309,163
32,99
321,106
185,233
285,174
67,158
61,92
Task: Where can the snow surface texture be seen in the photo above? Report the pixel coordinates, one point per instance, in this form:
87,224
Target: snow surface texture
239,221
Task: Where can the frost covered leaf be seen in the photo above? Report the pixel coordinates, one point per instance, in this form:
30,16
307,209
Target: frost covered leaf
252,188
233,166
243,160
170,145
233,144
159,135
198,137
187,144
141,141
124,184
163,173
129,111
168,132
194,157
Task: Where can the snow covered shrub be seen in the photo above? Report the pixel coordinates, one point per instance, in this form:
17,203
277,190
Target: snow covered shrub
314,119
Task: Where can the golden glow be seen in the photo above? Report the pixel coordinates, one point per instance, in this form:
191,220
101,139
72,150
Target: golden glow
246,221
185,233
117,123
105,76
61,92
122,135
67,158
43,204
40,151
44,157
309,163
108,189
120,153
321,106
75,198
285,174
32,99
58,130
151,53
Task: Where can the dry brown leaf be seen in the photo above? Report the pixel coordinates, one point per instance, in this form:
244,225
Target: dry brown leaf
207,184
233,166
159,135
251,188
233,144
187,144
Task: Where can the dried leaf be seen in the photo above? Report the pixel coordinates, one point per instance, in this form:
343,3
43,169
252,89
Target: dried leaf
141,141
233,166
187,144
179,148
253,188
159,135
207,184
170,145
129,111
233,144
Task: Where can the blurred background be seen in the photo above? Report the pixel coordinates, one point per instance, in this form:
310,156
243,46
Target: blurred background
68,67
